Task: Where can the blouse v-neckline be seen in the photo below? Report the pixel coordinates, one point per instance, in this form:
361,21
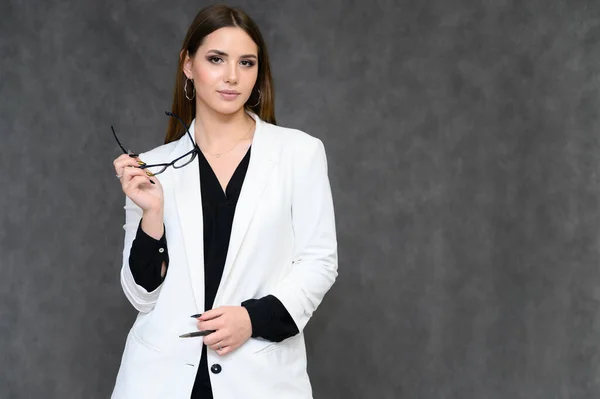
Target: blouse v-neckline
234,185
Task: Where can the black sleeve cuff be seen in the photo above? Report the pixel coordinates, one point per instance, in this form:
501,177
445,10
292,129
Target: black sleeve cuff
146,257
270,319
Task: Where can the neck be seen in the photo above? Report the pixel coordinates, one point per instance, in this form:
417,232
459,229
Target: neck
214,130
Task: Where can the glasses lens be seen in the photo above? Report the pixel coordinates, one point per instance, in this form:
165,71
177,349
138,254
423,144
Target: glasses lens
155,170
186,159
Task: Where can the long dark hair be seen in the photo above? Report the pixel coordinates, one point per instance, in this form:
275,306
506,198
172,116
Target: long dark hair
208,20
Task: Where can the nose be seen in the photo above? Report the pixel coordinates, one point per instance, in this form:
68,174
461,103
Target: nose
231,75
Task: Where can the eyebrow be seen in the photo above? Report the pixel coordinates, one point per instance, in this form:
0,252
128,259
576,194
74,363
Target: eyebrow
221,53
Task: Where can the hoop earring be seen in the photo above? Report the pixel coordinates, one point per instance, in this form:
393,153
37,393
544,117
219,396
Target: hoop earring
185,91
258,102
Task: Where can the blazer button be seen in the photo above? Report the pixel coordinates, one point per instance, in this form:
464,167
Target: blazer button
215,368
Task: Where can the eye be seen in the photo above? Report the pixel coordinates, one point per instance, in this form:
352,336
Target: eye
247,63
215,59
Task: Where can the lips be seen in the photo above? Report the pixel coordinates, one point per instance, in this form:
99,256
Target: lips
228,95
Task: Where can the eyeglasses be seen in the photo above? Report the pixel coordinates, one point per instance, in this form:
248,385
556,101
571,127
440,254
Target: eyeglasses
177,163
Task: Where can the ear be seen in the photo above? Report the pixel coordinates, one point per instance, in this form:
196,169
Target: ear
187,63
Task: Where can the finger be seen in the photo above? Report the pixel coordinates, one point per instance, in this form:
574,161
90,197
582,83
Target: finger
122,157
136,182
214,338
129,173
128,163
213,313
214,324
126,160
121,170
219,347
123,164
225,349
134,169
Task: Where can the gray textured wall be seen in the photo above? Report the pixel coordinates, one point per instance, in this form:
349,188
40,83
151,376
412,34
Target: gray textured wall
464,154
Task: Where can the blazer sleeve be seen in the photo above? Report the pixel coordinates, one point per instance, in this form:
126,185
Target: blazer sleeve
146,259
141,299
315,261
270,319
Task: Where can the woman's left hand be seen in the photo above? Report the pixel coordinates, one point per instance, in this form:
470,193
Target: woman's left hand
233,328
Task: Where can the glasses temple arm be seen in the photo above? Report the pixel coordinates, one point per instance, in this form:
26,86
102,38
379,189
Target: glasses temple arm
118,142
187,130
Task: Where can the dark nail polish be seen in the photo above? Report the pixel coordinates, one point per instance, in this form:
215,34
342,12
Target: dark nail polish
134,155
195,316
151,181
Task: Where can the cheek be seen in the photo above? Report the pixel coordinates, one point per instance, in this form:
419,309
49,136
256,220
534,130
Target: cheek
254,74
206,77
250,78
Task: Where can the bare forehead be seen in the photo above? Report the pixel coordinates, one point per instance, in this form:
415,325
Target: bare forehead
231,40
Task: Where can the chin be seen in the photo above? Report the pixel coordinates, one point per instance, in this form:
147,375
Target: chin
228,109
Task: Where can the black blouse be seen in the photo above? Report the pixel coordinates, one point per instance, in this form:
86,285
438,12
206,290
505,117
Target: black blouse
270,319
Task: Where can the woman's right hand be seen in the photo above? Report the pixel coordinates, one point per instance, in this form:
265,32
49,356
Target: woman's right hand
137,185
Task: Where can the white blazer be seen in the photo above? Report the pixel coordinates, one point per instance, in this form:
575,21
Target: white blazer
283,242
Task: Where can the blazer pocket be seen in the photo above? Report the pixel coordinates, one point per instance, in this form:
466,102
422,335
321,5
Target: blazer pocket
142,342
256,346
272,347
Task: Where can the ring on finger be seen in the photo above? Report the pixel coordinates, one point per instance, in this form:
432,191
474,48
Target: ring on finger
219,346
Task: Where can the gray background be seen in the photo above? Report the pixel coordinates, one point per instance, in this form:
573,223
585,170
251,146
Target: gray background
463,145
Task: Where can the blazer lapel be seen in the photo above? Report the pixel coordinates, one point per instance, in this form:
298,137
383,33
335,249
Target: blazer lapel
188,200
262,160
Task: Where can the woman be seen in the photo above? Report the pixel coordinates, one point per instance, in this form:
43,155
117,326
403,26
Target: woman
237,233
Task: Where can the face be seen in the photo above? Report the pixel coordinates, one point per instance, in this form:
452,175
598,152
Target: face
224,70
